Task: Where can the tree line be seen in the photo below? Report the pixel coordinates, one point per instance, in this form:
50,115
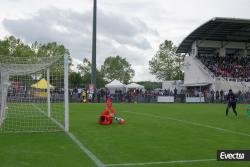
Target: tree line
113,68
165,64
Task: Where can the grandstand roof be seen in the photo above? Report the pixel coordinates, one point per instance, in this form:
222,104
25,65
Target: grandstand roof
218,29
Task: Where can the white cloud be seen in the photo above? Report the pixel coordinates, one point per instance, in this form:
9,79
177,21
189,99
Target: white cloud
126,38
130,28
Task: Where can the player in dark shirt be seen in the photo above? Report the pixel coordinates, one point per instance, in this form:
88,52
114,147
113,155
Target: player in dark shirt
231,99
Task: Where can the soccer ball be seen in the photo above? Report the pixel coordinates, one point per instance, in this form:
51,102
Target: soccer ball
122,121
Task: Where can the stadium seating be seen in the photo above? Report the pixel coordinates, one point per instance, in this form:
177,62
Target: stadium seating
233,67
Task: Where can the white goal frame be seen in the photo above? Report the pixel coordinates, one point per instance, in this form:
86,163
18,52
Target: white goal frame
8,70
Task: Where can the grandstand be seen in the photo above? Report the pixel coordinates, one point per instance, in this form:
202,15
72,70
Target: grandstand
218,56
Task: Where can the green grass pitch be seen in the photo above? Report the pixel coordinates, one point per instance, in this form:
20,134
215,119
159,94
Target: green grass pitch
152,133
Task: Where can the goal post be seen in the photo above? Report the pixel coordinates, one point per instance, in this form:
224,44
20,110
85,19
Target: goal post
48,92
34,94
3,94
66,93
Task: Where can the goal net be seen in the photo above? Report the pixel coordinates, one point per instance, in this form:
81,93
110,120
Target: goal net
33,94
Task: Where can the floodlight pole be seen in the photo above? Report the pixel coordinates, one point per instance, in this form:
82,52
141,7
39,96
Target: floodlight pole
93,67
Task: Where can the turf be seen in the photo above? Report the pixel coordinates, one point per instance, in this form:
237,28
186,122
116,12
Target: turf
152,133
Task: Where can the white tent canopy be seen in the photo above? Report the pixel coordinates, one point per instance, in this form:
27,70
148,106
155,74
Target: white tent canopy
115,85
135,86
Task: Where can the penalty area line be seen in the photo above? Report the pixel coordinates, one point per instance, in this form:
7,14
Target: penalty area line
160,162
193,123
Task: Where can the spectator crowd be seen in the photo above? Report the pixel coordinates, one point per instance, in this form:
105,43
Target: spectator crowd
100,95
150,96
218,96
229,66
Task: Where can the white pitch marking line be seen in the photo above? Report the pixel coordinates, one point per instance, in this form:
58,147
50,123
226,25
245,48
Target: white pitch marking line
51,118
98,162
161,162
84,149
193,123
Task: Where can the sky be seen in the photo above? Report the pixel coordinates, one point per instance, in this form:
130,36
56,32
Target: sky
133,29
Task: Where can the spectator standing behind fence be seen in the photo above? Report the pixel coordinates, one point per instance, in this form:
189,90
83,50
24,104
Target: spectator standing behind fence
217,96
84,96
240,96
89,95
175,93
205,93
107,93
212,96
79,91
221,96
98,96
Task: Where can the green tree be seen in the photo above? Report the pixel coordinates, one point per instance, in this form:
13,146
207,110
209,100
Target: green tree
12,46
53,49
15,47
4,48
50,49
117,68
75,79
166,63
179,61
85,70
85,67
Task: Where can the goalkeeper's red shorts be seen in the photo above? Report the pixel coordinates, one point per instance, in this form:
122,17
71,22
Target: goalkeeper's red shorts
105,120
